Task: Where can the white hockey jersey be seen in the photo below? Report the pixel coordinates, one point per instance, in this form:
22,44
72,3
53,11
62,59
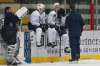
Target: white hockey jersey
36,18
53,20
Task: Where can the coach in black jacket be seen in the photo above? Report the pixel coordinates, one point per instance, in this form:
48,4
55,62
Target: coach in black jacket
74,23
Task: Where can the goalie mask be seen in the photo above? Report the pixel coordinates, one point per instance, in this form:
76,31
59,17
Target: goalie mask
22,12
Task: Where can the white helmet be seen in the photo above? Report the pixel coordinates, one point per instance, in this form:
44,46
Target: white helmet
40,6
56,4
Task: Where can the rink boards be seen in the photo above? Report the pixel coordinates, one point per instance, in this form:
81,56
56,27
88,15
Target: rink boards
29,52
90,47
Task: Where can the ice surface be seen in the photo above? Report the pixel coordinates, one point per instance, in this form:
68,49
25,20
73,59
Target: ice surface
80,63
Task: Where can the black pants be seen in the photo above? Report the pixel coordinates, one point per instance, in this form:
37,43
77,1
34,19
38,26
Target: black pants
75,47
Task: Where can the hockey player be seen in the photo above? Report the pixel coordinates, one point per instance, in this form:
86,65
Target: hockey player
38,18
54,19
60,22
9,33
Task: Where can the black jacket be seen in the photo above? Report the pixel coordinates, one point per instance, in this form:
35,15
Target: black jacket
74,23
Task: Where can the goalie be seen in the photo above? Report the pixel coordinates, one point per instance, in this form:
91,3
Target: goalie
9,33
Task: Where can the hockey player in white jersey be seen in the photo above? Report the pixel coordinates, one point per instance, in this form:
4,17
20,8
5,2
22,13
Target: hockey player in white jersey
37,20
56,20
52,20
